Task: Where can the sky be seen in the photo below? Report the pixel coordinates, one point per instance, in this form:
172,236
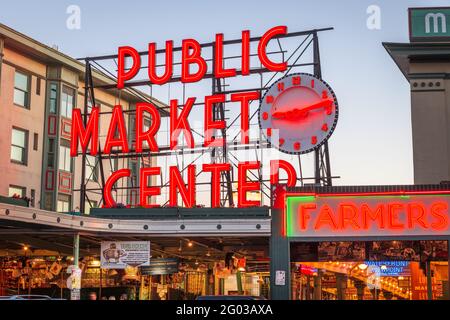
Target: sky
372,142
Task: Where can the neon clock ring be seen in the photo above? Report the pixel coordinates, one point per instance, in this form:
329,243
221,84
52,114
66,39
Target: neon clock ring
298,113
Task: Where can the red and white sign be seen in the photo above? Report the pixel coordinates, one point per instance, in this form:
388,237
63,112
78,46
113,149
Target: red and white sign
313,102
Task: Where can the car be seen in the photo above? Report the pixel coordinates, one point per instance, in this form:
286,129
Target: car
27,297
231,297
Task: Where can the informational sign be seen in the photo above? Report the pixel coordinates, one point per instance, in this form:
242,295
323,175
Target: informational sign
391,268
280,278
429,24
120,254
365,214
74,283
161,266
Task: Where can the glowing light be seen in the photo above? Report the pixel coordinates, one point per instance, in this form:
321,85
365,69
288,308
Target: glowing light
362,266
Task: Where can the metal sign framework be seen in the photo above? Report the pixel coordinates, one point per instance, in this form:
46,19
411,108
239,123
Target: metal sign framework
308,42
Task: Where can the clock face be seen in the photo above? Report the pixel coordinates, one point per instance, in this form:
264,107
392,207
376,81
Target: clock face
298,113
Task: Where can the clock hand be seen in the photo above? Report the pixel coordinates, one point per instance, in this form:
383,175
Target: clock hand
303,111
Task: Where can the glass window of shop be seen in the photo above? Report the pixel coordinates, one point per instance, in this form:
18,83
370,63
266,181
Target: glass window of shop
67,102
65,160
19,145
22,89
16,190
370,270
63,204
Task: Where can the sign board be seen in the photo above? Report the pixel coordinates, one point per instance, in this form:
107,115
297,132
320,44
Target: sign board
429,24
391,268
280,278
161,266
367,214
120,254
297,115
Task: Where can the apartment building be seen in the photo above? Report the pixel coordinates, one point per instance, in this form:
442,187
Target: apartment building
39,87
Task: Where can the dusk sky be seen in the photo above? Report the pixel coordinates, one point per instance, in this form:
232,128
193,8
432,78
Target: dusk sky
372,142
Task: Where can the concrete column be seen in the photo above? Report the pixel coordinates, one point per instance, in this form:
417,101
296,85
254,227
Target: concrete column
279,259
318,286
340,286
360,286
76,249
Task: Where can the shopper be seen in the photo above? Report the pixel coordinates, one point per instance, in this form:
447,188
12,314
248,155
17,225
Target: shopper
92,295
123,296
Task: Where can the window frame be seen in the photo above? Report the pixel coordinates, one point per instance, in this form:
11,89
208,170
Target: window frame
25,147
24,189
64,92
59,199
61,146
27,93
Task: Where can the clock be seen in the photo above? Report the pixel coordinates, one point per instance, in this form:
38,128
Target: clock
298,113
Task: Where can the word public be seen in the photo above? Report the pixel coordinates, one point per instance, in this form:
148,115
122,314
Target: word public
85,132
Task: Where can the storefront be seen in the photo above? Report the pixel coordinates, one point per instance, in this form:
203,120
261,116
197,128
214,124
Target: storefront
361,243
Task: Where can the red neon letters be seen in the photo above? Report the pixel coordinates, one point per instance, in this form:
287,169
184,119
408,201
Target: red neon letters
153,77
84,134
191,55
216,169
210,125
245,98
122,74
180,123
148,135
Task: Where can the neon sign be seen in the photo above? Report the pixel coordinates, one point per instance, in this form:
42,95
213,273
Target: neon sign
388,214
85,132
304,111
391,268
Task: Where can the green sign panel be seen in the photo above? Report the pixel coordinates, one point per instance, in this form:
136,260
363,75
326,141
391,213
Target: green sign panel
429,24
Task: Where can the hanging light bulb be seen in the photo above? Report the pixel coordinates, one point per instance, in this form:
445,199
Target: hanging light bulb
180,248
190,244
208,254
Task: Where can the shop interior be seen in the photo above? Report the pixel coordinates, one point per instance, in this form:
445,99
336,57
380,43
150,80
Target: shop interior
180,268
371,270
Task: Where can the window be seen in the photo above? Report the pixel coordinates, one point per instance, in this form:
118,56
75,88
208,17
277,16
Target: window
33,196
21,89
63,204
65,161
51,153
38,86
91,168
88,207
53,98
15,190
35,141
67,101
19,145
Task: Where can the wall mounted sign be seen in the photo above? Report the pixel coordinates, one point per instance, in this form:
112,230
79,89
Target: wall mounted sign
391,268
298,113
161,266
123,254
367,214
429,24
